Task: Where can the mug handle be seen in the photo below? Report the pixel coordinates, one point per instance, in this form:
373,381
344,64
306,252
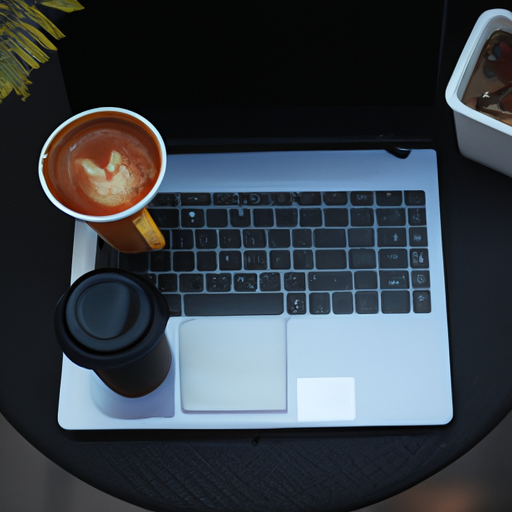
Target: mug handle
133,234
148,229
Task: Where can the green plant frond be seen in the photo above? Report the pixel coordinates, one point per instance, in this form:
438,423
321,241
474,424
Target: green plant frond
62,5
38,36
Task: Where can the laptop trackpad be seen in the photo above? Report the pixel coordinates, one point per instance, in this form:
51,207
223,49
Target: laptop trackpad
233,364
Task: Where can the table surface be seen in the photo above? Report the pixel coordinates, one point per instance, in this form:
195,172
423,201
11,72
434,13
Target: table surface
340,469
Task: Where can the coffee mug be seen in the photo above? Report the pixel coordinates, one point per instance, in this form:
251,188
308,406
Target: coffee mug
103,166
113,322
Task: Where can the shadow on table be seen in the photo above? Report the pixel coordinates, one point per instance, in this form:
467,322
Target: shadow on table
478,482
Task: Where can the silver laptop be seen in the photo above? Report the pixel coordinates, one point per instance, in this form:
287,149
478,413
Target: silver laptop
304,266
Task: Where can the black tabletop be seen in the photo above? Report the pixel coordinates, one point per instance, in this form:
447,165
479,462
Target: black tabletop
333,469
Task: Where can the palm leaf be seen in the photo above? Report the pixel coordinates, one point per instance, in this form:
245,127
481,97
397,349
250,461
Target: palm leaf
22,43
62,5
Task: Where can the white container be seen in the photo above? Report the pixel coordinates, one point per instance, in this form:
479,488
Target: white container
482,138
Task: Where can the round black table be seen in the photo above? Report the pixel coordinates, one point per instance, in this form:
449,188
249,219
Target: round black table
333,469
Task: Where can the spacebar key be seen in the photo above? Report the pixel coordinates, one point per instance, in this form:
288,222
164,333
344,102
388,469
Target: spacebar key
229,304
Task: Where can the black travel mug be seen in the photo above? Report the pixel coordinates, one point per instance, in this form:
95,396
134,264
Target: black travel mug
113,322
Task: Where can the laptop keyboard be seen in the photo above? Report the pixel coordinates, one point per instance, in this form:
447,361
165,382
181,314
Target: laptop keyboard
295,253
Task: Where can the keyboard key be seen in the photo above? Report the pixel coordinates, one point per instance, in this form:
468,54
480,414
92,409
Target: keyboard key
230,238
362,259
168,282
367,303
191,282
421,301
222,304
230,260
270,282
255,260
280,260
279,238
335,198
263,218
195,199
286,217
216,283
160,261
165,217
166,200
174,303
301,238
303,259
192,218
361,217
420,279
329,237
418,237
206,239
365,279
329,281
183,261
310,217
394,279
393,258
419,258
256,199
319,304
395,302
206,261
217,218
309,198
417,216
294,281
392,198
282,198
391,237
182,239
296,303
335,217
361,198
415,197
361,237
245,282
391,216
254,238
226,199
240,218
342,303
331,259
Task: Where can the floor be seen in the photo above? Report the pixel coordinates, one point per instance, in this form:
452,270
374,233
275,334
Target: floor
478,482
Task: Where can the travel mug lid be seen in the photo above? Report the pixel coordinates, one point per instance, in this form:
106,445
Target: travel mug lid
109,318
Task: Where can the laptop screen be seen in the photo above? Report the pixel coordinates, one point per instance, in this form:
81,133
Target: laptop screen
219,73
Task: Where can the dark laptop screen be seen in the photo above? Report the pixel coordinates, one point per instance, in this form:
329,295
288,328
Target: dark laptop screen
214,72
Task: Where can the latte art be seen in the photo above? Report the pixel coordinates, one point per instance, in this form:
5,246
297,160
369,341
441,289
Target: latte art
104,166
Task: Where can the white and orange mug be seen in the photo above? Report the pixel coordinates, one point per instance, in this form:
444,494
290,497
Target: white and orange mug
103,166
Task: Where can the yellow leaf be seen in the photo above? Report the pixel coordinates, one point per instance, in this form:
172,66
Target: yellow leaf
32,12
63,5
24,55
38,36
28,45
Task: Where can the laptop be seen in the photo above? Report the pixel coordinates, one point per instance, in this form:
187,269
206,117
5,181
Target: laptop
304,264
